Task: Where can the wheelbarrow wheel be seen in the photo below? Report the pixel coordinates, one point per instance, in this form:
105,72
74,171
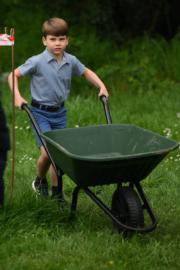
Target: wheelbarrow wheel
127,208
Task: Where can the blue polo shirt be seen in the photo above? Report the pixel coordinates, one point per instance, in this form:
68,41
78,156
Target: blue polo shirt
50,81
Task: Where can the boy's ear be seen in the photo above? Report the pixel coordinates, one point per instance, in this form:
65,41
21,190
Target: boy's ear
67,40
44,41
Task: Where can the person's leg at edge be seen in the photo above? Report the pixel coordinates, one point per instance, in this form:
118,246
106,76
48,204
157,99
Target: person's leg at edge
2,169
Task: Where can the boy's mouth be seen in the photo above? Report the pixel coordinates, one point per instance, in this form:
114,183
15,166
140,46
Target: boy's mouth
57,50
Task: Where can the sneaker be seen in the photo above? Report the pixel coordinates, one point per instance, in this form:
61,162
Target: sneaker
40,186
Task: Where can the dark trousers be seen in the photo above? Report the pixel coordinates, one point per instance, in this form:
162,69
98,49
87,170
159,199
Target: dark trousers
3,159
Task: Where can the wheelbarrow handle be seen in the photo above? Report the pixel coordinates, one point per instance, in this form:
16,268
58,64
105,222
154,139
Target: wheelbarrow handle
26,108
104,101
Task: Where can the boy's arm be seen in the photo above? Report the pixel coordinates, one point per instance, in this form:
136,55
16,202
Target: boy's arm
19,100
96,81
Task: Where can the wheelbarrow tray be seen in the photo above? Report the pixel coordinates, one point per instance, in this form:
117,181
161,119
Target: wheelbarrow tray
105,154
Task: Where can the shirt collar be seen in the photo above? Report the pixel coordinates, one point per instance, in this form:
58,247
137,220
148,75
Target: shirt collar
49,57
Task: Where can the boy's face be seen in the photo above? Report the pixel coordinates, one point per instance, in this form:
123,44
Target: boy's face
55,44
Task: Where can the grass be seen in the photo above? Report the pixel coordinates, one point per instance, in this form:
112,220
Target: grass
34,234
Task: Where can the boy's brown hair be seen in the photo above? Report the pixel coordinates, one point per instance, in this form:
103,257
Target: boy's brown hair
55,27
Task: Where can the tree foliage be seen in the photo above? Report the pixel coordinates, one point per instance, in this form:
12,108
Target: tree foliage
113,21
112,18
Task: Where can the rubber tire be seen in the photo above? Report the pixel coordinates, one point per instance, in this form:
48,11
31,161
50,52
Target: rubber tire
127,208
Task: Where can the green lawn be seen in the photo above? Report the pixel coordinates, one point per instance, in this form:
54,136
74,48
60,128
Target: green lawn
35,234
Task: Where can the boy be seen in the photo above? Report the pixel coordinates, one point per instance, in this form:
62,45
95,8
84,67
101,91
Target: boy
51,73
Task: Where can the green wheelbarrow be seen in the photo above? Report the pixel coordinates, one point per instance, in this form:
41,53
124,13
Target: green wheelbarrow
120,154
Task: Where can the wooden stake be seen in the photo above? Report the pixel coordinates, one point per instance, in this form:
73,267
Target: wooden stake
13,120
7,42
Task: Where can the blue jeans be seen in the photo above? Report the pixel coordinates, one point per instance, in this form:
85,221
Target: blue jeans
48,120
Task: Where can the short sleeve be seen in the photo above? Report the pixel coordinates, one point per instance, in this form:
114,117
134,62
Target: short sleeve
28,67
78,67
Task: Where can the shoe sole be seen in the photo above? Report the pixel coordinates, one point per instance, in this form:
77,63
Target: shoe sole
37,191
34,188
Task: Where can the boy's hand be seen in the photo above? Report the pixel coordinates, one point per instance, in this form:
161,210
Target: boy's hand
103,92
19,101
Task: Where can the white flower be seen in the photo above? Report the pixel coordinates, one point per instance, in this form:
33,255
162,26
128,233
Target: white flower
168,132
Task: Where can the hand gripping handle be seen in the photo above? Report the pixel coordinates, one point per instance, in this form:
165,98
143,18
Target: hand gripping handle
104,101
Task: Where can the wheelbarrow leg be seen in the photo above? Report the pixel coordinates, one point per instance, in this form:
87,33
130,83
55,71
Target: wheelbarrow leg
74,198
59,179
146,203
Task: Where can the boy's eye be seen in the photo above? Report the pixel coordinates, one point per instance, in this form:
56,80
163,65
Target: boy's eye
58,39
